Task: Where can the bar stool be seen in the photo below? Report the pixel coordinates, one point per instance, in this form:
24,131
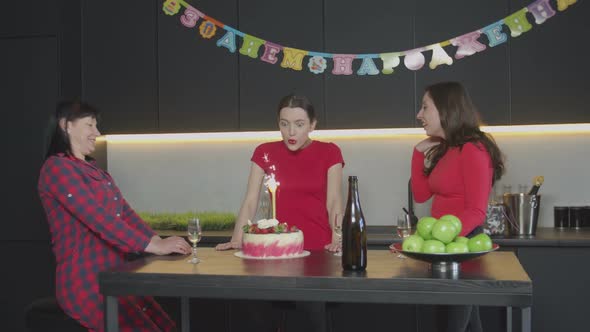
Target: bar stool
45,315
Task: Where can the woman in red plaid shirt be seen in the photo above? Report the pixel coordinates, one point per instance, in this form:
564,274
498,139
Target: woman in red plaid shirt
93,227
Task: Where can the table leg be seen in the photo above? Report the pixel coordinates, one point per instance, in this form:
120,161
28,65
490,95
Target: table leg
111,317
509,319
526,318
184,314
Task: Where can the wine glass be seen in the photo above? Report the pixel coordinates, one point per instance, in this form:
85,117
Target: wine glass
403,229
194,236
338,232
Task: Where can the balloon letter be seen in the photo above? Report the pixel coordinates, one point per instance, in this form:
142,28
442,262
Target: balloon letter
292,58
250,46
439,57
467,44
342,64
207,29
368,67
495,34
518,23
189,18
171,7
541,10
317,64
563,4
390,61
228,41
270,52
414,60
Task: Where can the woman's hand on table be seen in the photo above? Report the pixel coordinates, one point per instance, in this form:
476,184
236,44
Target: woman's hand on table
169,245
229,245
333,247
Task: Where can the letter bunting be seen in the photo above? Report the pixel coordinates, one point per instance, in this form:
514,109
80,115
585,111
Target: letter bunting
464,45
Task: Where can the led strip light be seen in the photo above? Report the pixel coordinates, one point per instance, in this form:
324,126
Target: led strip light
578,128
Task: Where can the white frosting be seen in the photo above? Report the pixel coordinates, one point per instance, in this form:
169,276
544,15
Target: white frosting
267,223
268,239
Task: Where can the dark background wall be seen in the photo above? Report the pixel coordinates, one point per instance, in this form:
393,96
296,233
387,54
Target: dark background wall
39,63
148,73
155,75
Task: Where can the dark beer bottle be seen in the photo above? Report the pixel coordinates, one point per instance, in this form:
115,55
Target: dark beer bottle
354,231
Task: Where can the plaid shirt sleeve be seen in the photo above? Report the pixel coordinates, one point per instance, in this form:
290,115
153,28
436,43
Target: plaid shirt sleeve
97,205
135,220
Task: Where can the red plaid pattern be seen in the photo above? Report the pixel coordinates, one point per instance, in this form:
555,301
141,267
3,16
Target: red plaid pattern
92,227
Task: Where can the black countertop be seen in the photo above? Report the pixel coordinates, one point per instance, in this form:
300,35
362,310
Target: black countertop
385,235
544,237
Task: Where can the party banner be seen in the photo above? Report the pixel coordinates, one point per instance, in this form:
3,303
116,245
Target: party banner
385,63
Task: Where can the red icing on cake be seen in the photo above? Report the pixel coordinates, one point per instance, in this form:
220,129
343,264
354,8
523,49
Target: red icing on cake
269,243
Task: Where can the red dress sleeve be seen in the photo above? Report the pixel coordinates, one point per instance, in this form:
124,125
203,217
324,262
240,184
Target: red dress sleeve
334,155
260,155
477,174
419,181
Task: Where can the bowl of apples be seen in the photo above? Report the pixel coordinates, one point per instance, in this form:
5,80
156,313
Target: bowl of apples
437,241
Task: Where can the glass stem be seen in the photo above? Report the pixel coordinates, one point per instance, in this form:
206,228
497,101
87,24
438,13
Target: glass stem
194,251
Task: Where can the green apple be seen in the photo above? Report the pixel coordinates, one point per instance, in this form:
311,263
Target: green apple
433,247
480,242
457,248
413,243
444,231
461,239
424,227
454,220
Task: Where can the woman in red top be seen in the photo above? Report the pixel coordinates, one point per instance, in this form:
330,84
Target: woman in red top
457,165
309,196
92,226
309,173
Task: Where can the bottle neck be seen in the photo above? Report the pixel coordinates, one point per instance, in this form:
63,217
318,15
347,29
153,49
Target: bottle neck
353,192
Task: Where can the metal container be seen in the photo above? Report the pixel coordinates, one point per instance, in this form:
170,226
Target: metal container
522,213
495,223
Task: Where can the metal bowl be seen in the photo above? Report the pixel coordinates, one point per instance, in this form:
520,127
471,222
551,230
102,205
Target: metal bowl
443,261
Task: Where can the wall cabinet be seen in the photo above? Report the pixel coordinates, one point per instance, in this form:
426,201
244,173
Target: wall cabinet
156,75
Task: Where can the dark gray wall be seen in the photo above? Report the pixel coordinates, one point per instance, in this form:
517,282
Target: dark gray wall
39,64
148,73
151,74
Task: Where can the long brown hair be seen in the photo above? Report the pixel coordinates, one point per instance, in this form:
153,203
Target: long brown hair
460,122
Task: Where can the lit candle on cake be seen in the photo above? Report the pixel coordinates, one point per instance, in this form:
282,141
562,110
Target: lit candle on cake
272,184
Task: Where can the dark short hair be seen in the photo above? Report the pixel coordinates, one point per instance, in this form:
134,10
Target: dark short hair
293,101
57,140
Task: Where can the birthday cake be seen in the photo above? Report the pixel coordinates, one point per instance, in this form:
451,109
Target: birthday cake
269,238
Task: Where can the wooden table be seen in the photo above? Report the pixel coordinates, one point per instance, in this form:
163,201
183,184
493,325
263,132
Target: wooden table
495,279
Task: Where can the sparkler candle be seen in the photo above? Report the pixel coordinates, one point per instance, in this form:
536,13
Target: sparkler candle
272,185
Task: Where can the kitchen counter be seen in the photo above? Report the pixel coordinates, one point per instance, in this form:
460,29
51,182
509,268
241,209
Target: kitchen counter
384,236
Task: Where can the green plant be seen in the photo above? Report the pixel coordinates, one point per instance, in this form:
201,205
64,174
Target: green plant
210,221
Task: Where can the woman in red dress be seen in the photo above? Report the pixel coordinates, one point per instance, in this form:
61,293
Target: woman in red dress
456,166
92,226
309,173
309,195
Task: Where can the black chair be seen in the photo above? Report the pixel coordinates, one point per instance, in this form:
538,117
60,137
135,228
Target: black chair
45,315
